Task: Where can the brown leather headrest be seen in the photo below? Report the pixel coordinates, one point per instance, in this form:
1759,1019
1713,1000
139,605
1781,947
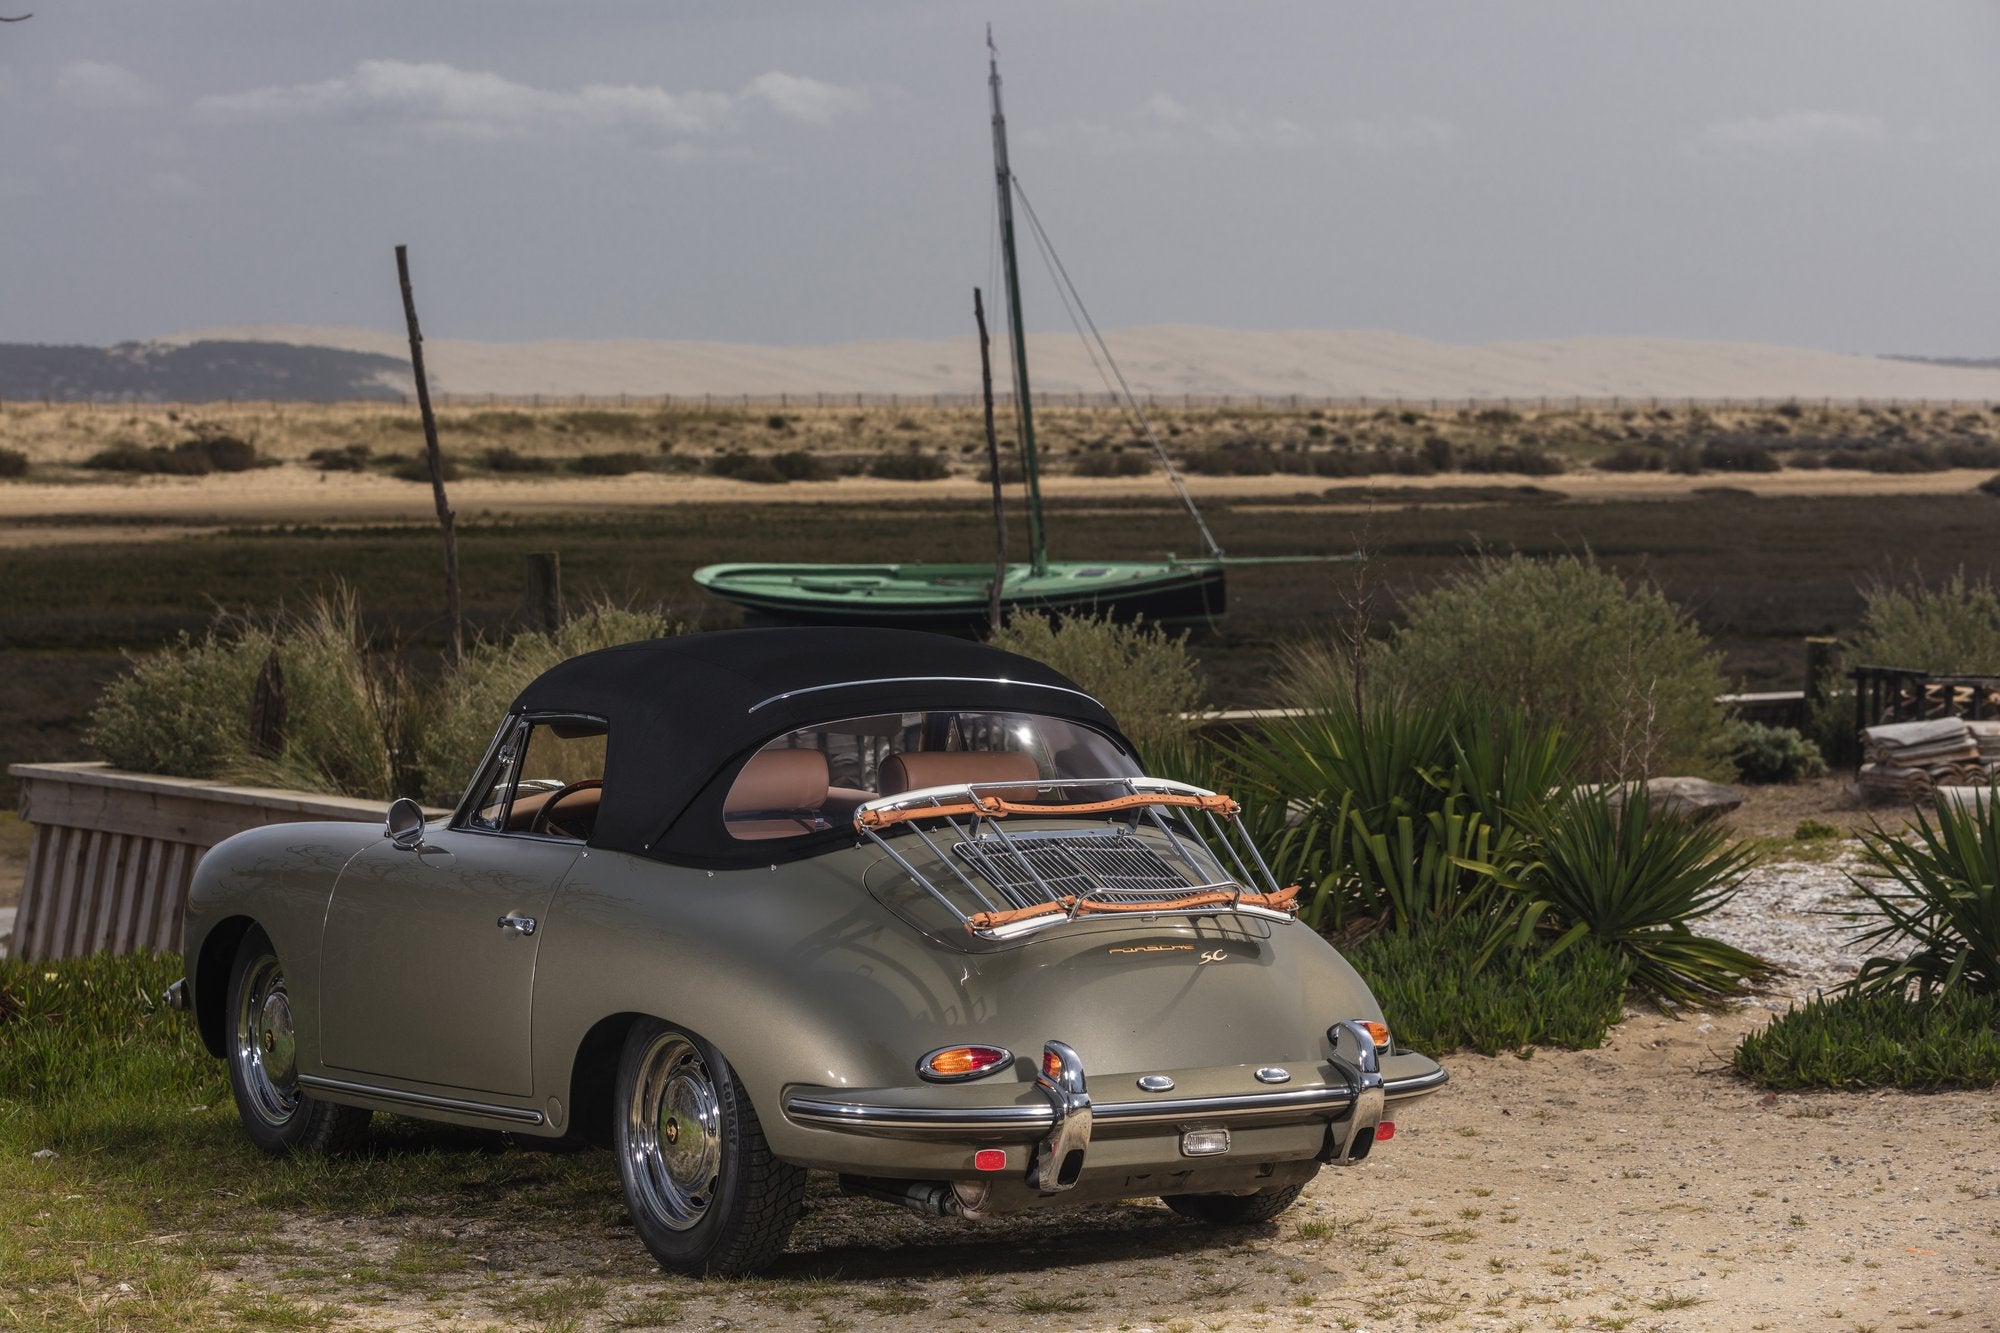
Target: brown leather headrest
778,780
938,768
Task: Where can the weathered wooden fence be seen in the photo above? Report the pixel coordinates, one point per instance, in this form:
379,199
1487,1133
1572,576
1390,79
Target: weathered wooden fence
111,853
1897,694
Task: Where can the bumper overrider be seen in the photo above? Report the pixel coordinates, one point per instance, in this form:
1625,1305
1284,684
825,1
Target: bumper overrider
1348,1092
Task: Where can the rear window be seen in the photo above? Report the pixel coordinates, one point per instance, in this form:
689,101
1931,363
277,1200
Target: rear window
813,779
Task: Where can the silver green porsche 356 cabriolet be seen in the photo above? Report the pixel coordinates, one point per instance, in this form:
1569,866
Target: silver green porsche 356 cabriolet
751,904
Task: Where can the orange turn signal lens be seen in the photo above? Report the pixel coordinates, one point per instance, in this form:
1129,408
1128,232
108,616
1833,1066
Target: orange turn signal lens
1051,1065
961,1062
1378,1031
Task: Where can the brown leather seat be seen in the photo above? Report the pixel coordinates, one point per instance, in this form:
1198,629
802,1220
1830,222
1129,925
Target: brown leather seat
777,795
913,769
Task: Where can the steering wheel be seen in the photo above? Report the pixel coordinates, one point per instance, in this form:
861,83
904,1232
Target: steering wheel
541,823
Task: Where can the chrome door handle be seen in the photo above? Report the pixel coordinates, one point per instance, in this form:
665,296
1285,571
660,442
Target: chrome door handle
524,924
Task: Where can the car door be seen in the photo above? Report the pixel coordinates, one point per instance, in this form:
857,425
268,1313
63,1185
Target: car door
427,956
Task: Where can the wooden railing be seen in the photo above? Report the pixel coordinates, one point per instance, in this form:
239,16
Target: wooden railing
112,854
1897,694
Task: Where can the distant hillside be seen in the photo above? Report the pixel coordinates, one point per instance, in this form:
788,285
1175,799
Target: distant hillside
1963,362
197,372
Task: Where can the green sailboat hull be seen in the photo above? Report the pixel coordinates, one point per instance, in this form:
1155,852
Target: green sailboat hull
1173,593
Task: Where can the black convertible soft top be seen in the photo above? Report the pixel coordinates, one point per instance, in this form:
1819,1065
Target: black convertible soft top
687,712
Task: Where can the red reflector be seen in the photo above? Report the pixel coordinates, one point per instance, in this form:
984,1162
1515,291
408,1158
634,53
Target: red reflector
990,1159
1385,1131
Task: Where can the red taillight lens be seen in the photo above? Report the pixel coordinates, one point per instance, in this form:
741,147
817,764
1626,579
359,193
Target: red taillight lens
1385,1131
990,1159
960,1062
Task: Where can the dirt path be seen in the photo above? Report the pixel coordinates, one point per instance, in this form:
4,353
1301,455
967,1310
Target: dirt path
1638,1186
38,513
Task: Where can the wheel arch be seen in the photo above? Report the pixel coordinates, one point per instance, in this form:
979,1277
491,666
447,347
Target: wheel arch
211,980
593,1076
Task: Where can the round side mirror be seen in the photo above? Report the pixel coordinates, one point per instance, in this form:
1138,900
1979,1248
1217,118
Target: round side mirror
405,824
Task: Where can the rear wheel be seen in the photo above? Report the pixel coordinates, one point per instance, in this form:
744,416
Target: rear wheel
704,1191
263,1062
1233,1209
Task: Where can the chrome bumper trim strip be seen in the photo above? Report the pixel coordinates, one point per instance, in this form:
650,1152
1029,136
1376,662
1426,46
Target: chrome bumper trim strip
1027,1121
512,1114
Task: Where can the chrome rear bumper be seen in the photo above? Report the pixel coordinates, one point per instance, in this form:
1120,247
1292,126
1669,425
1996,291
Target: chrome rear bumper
1064,1115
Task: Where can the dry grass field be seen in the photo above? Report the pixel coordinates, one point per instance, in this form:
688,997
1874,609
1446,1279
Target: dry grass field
1312,441
105,562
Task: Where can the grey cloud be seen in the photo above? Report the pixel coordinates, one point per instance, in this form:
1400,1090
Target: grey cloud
1790,132
96,85
480,105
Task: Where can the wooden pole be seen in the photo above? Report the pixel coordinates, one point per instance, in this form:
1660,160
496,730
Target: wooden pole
545,601
992,463
452,609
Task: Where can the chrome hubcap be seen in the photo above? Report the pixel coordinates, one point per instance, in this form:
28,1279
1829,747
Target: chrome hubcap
266,1050
673,1133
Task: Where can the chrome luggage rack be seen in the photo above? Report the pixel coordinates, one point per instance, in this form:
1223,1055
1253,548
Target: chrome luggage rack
1198,859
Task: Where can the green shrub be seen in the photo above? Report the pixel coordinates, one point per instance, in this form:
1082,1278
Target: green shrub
1772,754
800,465
908,465
344,458
608,465
742,465
1736,455
183,711
13,463
207,450
1231,460
1815,830
346,707
1145,676
500,458
418,468
471,700
1953,628
1936,890
1107,464
1878,1041
1631,881
1632,458
1619,669
593,421
1438,995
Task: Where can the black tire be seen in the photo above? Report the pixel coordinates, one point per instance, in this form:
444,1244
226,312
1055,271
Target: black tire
262,1059
1234,1210
703,1189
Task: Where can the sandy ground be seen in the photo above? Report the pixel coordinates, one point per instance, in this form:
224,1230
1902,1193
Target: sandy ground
1639,1186
145,508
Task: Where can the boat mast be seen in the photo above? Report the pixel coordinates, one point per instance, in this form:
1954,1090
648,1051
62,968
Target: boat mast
1023,404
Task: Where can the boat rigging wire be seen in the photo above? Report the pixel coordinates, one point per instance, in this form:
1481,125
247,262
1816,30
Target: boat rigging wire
1122,393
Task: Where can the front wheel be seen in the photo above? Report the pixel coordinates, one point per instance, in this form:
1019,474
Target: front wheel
704,1191
263,1062
1229,1210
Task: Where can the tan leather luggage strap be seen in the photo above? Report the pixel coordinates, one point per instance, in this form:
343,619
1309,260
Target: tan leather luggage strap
1284,900
993,807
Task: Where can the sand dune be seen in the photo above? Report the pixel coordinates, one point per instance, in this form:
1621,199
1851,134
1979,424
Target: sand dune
1170,360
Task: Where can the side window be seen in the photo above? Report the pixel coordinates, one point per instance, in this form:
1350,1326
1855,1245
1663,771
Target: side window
546,780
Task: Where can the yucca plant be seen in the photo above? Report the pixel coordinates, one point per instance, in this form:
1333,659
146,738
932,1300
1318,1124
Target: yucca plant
1631,880
1937,888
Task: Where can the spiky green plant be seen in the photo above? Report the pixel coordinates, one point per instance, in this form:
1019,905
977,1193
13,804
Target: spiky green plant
1936,888
1878,1040
1631,879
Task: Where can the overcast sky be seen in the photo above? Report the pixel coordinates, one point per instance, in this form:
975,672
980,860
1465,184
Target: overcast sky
1821,173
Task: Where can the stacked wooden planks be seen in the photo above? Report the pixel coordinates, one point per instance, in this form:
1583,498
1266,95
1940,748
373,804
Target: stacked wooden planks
1907,761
